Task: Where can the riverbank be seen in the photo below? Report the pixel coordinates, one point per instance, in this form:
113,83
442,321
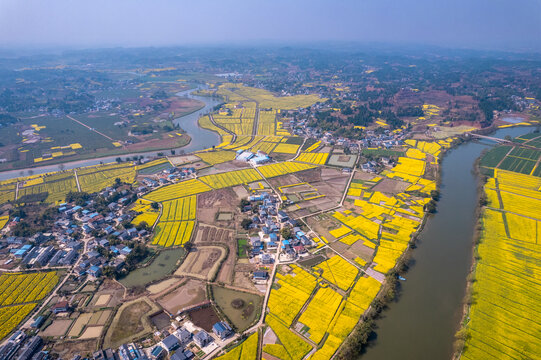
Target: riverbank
504,258
430,302
199,139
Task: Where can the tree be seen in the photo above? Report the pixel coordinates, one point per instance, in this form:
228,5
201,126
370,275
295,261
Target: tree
245,223
243,203
286,233
118,159
155,205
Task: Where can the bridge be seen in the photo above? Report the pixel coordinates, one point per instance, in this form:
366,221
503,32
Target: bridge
490,138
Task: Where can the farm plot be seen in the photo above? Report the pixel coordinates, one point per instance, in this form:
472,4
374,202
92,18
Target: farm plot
507,294
97,178
313,158
153,167
202,262
516,164
178,190
231,178
245,351
145,212
342,160
286,148
338,271
290,294
216,157
180,209
189,293
319,313
273,170
291,346
19,294
173,233
54,189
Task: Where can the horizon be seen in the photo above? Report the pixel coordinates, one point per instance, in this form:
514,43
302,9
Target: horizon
510,26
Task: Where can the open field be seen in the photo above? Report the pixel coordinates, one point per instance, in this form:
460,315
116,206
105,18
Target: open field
201,262
58,328
191,292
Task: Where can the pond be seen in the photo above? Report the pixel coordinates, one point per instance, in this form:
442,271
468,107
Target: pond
163,265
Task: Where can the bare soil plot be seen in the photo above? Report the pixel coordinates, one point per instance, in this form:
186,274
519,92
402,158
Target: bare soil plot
91,332
163,285
391,186
242,276
57,328
190,293
202,262
204,317
182,159
217,201
103,300
68,349
161,320
80,323
342,160
360,175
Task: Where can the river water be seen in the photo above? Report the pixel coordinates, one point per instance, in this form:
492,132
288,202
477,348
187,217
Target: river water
422,323
200,139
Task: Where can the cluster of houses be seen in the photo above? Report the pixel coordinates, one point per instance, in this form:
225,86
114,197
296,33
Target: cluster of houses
269,220
23,347
169,175
74,226
175,345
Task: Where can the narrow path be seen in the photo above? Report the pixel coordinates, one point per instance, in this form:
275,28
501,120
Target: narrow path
89,128
299,150
17,191
256,120
77,180
224,129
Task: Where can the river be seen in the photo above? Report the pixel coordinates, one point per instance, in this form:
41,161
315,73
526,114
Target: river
200,139
422,323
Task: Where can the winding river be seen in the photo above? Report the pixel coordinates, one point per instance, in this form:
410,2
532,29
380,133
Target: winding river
200,139
422,323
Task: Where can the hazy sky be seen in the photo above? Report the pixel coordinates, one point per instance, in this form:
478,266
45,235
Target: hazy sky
500,24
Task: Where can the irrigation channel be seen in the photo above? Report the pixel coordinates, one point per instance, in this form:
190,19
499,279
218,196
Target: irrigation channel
200,139
422,322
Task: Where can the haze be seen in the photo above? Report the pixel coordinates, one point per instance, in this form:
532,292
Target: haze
481,24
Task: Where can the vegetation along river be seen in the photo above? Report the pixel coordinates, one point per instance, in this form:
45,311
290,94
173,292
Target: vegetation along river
422,323
200,139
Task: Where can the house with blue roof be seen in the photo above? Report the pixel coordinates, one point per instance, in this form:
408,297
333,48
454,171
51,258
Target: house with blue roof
222,330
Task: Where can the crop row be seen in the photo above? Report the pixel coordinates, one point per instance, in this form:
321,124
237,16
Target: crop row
180,209
24,288
231,178
178,190
173,233
313,158
283,168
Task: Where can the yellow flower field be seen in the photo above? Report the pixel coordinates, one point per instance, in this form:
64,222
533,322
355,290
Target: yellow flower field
180,189
283,168
338,271
231,178
313,158
319,313
286,148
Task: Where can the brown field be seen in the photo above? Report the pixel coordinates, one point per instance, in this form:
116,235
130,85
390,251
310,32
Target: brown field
80,323
103,300
190,293
57,328
68,349
391,186
99,317
204,317
202,262
182,159
163,285
211,234
91,332
212,202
